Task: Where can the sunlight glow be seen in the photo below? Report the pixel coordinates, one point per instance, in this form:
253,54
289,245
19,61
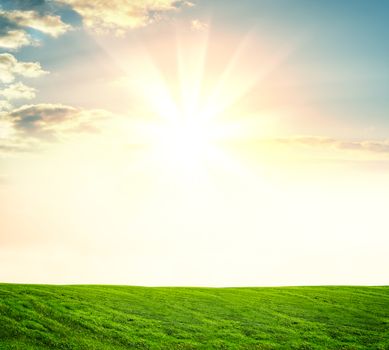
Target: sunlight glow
184,140
188,110
248,149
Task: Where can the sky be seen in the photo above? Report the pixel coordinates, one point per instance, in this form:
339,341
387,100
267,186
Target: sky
194,143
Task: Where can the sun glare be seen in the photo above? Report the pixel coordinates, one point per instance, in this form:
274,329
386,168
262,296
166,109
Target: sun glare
184,146
187,112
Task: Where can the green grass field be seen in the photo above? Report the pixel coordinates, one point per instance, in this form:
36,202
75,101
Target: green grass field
119,317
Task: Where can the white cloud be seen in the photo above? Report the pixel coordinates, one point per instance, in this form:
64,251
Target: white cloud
8,142
48,24
121,15
10,66
18,91
13,25
5,105
198,25
14,39
5,128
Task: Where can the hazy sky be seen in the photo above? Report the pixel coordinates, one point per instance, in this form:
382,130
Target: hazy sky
161,142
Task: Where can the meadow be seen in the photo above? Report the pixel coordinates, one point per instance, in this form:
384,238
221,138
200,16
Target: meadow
122,317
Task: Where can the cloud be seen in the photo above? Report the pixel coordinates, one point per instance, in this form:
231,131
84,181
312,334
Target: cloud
13,24
14,146
18,91
52,122
8,142
121,15
5,128
48,24
14,39
371,146
197,25
375,146
10,67
11,35
5,105
32,128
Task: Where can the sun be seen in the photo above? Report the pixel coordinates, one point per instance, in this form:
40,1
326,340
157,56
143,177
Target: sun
186,145
184,140
189,108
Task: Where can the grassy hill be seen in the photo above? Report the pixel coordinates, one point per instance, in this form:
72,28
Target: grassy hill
119,317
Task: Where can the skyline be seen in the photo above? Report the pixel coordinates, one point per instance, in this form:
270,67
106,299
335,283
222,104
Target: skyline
194,143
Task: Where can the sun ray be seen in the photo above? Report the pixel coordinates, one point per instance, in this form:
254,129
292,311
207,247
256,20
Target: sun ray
235,83
185,120
191,68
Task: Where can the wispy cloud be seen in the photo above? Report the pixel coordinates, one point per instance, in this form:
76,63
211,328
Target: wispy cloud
120,15
13,25
14,39
33,128
198,25
49,122
18,91
325,143
48,24
10,67
5,105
